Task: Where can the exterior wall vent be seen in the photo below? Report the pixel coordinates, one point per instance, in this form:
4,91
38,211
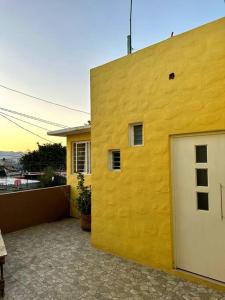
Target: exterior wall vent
171,76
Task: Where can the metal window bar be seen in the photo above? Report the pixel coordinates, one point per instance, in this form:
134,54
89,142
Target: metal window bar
115,160
138,134
81,157
74,158
88,157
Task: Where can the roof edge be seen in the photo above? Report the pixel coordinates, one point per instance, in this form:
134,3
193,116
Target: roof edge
70,131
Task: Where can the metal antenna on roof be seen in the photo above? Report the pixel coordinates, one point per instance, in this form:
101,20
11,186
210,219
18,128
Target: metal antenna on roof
129,41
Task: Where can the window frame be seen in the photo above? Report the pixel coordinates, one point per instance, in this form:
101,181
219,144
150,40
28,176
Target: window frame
131,134
201,189
87,157
110,160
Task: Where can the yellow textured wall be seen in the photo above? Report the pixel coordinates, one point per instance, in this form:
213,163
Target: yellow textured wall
72,178
132,209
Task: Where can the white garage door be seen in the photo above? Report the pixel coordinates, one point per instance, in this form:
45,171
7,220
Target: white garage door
198,174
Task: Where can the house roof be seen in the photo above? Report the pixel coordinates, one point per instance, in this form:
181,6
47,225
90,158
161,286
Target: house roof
70,131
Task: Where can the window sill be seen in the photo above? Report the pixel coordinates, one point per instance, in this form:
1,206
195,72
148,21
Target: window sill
137,145
85,174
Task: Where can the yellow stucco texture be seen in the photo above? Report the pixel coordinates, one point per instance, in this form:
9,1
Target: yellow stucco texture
132,208
71,177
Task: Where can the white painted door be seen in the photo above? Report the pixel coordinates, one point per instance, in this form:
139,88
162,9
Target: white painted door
198,175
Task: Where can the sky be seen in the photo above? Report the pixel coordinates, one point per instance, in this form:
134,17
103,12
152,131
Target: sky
49,46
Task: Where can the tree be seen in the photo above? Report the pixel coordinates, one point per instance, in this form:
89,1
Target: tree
47,155
50,178
2,172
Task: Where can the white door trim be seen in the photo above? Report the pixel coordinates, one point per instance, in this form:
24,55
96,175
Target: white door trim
171,138
182,245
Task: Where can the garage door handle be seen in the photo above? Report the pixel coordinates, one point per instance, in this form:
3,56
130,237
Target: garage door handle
221,201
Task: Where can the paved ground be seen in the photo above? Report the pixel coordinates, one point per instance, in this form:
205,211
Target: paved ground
55,261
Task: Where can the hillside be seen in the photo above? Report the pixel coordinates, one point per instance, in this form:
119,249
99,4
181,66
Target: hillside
10,154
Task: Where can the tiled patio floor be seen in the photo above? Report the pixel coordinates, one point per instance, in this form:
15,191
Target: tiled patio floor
55,261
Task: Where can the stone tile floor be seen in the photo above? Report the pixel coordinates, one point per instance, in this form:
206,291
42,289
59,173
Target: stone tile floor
55,261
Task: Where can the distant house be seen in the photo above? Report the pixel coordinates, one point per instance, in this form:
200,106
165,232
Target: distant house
157,154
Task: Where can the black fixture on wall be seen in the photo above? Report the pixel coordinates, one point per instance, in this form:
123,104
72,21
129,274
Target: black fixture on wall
171,76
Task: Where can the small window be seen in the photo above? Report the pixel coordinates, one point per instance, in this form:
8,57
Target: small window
202,177
115,159
136,134
202,201
81,157
201,154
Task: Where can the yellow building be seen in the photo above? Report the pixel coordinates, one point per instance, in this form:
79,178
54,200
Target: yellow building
78,144
157,148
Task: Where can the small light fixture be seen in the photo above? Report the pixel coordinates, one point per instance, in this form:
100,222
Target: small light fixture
171,76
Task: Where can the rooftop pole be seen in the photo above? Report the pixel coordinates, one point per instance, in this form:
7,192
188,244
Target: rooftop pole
129,40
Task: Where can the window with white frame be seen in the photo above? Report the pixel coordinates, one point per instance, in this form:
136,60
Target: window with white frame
81,157
136,136
114,159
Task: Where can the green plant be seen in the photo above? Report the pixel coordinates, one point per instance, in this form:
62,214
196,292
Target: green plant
84,196
59,180
50,178
46,180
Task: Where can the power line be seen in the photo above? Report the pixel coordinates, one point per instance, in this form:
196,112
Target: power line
26,129
44,100
18,119
34,118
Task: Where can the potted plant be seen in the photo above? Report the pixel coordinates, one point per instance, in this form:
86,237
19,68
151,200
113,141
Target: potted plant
84,203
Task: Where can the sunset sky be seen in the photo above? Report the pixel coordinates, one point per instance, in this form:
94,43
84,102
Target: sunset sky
49,46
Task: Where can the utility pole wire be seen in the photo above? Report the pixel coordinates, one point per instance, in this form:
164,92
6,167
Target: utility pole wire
18,119
44,100
34,118
31,132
